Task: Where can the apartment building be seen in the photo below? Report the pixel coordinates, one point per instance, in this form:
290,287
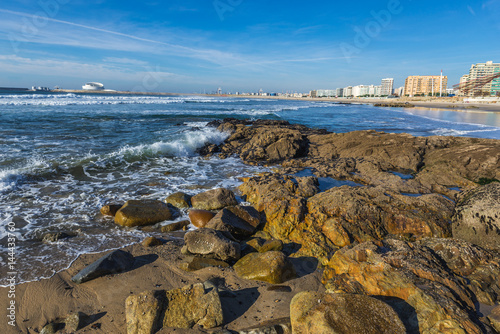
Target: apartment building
387,86
417,85
478,71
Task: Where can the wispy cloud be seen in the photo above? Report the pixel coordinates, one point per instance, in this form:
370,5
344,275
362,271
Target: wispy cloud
68,38
80,70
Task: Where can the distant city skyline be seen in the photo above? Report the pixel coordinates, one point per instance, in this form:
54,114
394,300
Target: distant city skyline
194,46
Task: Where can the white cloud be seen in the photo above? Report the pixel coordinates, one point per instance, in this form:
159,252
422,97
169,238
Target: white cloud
82,71
45,30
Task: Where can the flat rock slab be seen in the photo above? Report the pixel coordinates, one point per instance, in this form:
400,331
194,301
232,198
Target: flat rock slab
115,262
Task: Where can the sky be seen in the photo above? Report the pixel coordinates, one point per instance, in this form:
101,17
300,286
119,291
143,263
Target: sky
192,46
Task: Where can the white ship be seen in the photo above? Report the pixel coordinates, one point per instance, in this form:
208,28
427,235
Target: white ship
93,86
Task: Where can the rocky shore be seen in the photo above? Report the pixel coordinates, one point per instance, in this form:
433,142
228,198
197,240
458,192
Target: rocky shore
360,232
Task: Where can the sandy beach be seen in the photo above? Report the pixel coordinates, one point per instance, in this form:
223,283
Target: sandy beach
155,268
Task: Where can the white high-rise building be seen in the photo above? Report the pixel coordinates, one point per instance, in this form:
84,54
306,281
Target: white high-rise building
347,91
387,86
360,90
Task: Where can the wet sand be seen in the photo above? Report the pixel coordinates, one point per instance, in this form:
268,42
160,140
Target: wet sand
155,268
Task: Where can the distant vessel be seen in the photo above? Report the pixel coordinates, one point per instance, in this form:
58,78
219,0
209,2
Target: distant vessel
93,86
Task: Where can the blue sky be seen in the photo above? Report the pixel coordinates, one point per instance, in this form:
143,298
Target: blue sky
241,45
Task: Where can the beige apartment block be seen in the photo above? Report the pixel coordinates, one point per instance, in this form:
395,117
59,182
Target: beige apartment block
425,84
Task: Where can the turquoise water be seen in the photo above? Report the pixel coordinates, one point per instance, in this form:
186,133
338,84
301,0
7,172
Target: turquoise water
64,156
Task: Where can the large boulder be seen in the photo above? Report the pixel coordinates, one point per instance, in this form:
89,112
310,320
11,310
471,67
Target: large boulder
211,243
179,200
186,307
200,218
477,216
142,212
214,199
313,312
413,279
240,221
115,262
272,267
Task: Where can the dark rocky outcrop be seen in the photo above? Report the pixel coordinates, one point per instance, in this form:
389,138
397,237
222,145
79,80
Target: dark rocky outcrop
214,199
477,216
115,262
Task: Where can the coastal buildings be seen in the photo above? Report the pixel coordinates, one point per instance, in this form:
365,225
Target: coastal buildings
347,91
339,92
387,86
399,91
421,85
480,71
323,93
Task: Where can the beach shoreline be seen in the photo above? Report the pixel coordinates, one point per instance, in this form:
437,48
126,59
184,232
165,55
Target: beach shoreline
451,103
255,303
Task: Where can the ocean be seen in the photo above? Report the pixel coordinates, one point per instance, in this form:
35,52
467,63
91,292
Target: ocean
64,156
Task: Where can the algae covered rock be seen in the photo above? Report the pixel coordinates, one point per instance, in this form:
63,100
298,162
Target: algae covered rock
142,212
214,199
313,312
211,243
272,267
186,307
477,216
179,200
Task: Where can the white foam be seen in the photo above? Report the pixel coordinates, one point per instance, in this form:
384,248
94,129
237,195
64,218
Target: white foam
455,132
184,146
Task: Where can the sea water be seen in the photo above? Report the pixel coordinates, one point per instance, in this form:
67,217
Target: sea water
64,156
